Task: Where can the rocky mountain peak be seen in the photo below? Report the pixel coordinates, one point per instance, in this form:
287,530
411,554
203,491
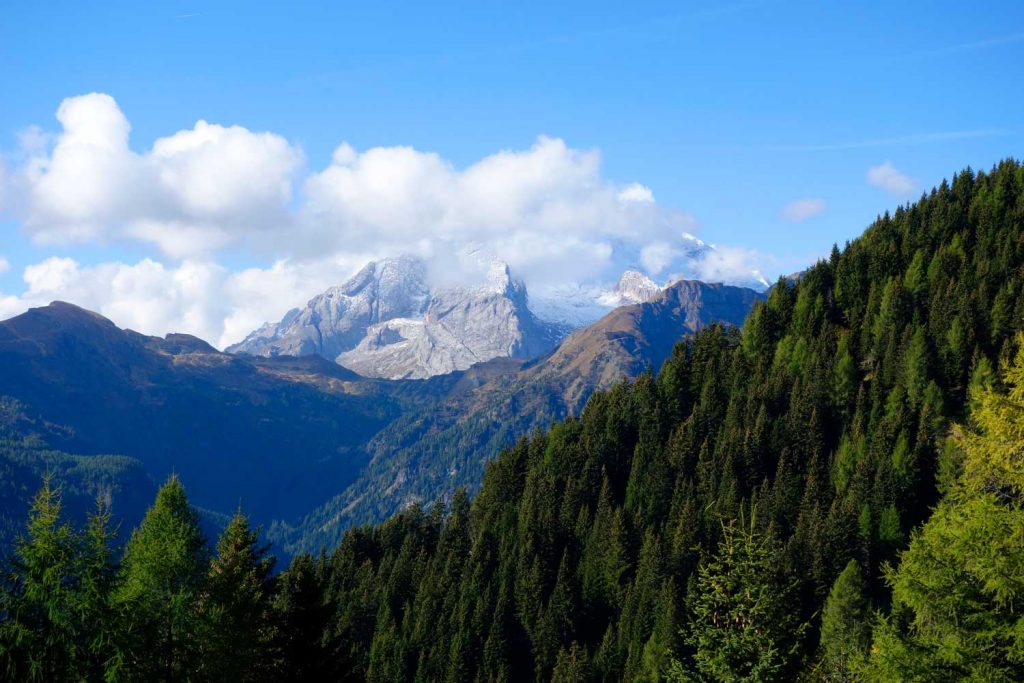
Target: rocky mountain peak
635,287
386,321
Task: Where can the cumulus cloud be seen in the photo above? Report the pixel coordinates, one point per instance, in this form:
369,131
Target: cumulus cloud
540,208
886,177
199,297
729,264
802,209
192,192
211,194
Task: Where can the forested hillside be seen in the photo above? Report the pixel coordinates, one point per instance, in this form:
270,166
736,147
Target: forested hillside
728,518
779,453
427,454
25,458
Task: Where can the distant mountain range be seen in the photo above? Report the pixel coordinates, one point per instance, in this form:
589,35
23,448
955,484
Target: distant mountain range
323,446
387,322
427,454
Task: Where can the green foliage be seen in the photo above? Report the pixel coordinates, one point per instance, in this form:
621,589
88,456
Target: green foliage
845,626
160,592
39,633
57,623
956,592
743,627
238,605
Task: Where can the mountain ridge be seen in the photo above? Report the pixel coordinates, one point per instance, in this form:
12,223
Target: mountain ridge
427,455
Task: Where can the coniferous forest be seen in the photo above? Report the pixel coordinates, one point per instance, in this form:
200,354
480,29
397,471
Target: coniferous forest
832,492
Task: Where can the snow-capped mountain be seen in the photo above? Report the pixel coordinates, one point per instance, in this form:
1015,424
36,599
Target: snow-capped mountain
387,322
575,306
336,320
697,254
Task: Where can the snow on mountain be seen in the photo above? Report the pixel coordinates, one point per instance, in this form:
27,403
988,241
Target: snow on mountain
336,320
575,306
387,322
697,254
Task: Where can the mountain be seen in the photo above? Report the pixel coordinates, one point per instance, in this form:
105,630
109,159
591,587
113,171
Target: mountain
25,458
177,404
425,455
575,306
305,429
739,515
386,322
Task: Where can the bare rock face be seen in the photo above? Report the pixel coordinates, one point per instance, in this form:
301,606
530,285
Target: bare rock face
385,322
336,320
632,288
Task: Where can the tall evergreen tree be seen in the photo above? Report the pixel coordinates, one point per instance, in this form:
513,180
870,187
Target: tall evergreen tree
37,634
162,581
957,613
95,616
238,605
845,626
743,625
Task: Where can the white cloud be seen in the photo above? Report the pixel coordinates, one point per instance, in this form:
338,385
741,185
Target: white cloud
886,177
194,191
197,297
802,209
636,193
546,210
657,256
5,265
729,264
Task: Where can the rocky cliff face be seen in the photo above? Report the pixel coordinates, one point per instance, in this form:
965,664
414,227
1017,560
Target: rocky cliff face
459,328
386,322
336,320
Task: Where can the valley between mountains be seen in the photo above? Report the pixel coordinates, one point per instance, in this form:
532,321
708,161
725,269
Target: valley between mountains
378,394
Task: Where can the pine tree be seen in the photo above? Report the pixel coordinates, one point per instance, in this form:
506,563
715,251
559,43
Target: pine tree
743,624
162,581
956,592
845,626
95,617
571,665
37,635
238,604
300,619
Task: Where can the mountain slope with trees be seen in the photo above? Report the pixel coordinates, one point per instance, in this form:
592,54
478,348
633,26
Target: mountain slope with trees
740,515
425,455
813,438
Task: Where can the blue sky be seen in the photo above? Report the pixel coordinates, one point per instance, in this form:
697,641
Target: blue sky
727,112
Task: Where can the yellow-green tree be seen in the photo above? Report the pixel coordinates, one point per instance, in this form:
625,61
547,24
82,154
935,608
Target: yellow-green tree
957,592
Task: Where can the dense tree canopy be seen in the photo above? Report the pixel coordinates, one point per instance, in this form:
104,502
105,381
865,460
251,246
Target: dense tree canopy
728,518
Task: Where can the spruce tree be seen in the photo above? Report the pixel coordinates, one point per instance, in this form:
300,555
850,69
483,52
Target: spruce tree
162,581
845,626
37,634
743,624
94,613
238,604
